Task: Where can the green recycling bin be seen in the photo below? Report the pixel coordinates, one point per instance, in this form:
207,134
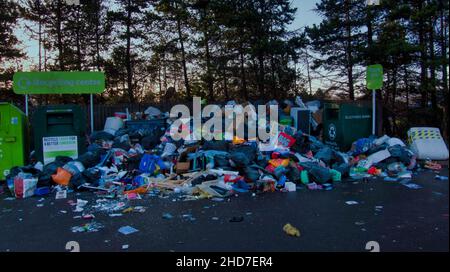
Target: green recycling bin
13,138
59,130
344,123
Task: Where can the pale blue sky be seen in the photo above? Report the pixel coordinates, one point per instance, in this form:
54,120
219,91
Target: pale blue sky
304,16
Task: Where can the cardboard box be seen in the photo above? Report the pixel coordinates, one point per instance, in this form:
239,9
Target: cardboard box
182,167
318,116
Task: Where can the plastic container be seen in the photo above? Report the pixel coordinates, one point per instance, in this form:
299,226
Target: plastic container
42,191
290,186
122,115
113,124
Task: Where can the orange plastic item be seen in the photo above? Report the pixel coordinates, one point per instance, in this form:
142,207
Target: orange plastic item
62,176
140,190
237,140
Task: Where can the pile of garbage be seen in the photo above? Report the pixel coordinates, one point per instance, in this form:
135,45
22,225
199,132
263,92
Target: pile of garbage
127,160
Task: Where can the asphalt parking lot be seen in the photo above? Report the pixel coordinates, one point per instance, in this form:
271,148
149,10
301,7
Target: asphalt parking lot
396,217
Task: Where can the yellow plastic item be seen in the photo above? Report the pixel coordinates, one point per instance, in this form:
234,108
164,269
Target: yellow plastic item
291,230
127,210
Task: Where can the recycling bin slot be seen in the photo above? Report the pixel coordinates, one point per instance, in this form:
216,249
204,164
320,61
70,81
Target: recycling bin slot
332,114
59,121
10,139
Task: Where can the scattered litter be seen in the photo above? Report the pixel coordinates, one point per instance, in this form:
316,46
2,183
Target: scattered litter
127,230
215,218
88,216
167,216
125,246
351,202
390,179
412,185
115,214
439,177
139,209
61,194
88,227
291,230
378,209
314,186
128,210
188,217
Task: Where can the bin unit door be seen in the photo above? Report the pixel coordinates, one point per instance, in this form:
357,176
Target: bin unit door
59,130
12,138
345,123
356,123
332,133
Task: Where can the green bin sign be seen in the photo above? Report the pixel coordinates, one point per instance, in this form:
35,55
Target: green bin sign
374,77
58,82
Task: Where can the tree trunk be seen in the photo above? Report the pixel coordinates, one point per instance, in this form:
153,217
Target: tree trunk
128,55
261,74
209,78
308,72
59,35
183,59
369,35
40,36
159,80
244,91
97,35
432,69
394,94
405,79
351,90
273,83
78,43
165,72
443,44
225,84
423,59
